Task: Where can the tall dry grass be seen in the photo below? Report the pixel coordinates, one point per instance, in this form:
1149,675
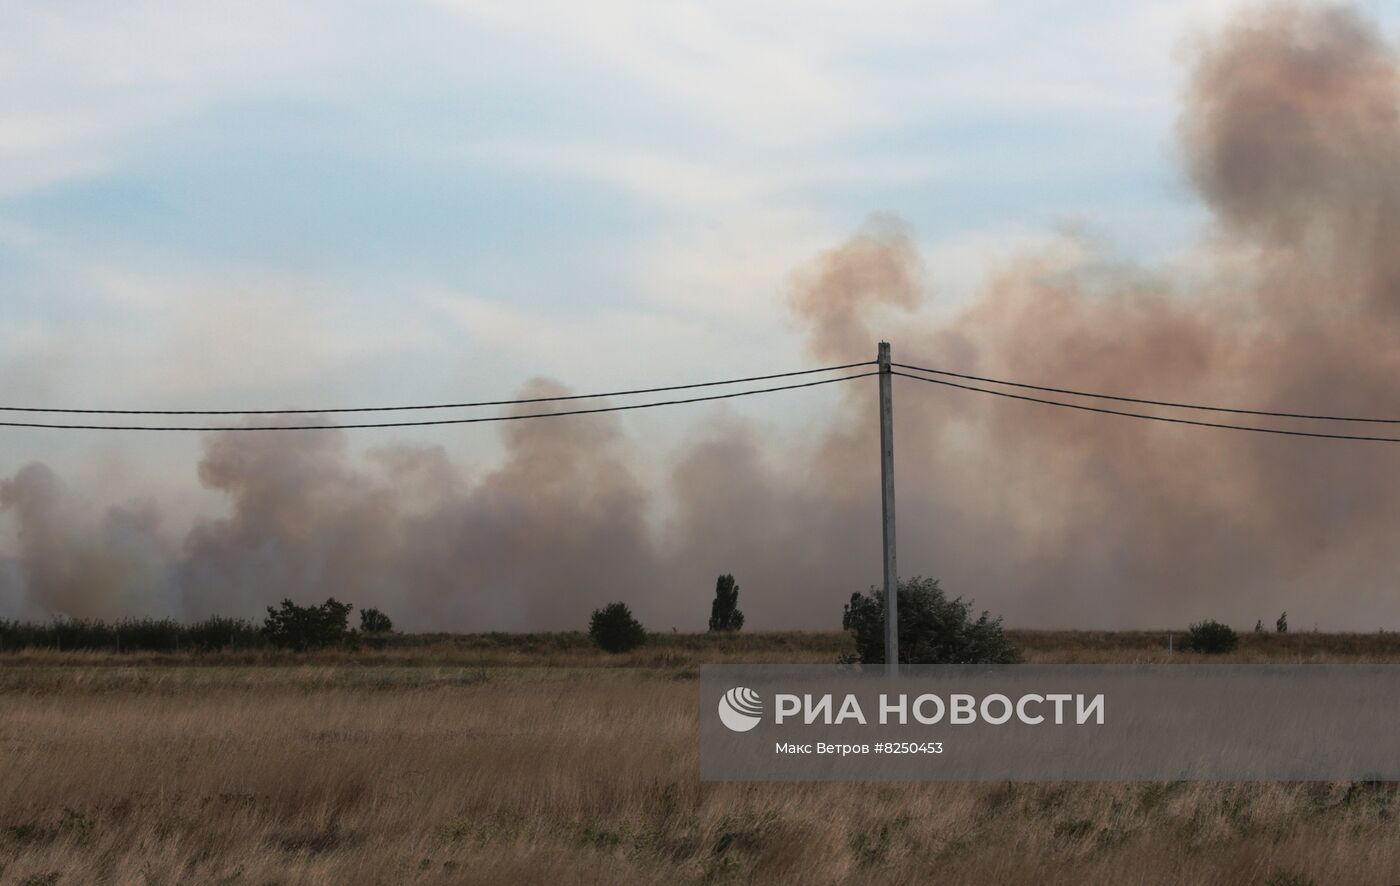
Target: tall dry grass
343,771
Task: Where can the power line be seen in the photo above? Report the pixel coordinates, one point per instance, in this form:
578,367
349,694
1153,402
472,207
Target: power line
703,384
1175,421
447,421
1146,402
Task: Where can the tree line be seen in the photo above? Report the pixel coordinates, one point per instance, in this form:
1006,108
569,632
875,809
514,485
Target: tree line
933,629
289,626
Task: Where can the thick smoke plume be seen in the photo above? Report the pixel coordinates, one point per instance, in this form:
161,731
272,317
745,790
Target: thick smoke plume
558,526
1291,134
73,564
1293,140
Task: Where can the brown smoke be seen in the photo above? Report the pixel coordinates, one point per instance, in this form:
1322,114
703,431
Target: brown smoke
1291,129
838,296
1061,518
74,563
537,542
1056,518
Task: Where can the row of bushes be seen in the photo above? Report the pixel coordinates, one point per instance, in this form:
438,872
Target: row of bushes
143,634
289,626
933,629
301,628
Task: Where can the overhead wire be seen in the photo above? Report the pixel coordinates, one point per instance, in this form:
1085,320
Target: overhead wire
946,374
479,403
1146,402
1139,415
443,421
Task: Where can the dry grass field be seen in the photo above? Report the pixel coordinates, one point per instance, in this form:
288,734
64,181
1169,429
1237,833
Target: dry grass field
536,759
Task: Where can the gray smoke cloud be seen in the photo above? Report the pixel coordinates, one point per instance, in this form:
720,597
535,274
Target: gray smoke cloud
558,526
1291,133
78,563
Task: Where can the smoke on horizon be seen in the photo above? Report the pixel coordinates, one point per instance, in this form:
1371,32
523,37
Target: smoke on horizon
1291,130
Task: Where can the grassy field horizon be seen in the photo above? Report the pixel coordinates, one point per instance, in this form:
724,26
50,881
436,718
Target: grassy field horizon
529,758
675,649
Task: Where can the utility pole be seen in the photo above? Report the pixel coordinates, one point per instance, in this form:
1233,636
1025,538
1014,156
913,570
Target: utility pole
887,511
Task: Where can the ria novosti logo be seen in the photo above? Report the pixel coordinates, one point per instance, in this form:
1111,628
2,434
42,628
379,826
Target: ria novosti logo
740,709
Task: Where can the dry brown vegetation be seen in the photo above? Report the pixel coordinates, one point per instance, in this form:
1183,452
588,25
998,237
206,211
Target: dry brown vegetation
535,759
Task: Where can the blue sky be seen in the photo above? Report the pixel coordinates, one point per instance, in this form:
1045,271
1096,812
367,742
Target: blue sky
281,204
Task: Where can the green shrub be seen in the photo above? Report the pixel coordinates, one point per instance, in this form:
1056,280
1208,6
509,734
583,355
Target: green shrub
372,621
724,611
615,630
932,628
300,628
1210,637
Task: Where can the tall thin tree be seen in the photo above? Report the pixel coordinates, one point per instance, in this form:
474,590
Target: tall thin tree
724,611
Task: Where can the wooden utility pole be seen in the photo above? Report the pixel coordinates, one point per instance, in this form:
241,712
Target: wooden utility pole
887,511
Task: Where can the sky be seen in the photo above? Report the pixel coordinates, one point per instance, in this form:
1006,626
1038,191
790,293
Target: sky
349,203
294,204
450,197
